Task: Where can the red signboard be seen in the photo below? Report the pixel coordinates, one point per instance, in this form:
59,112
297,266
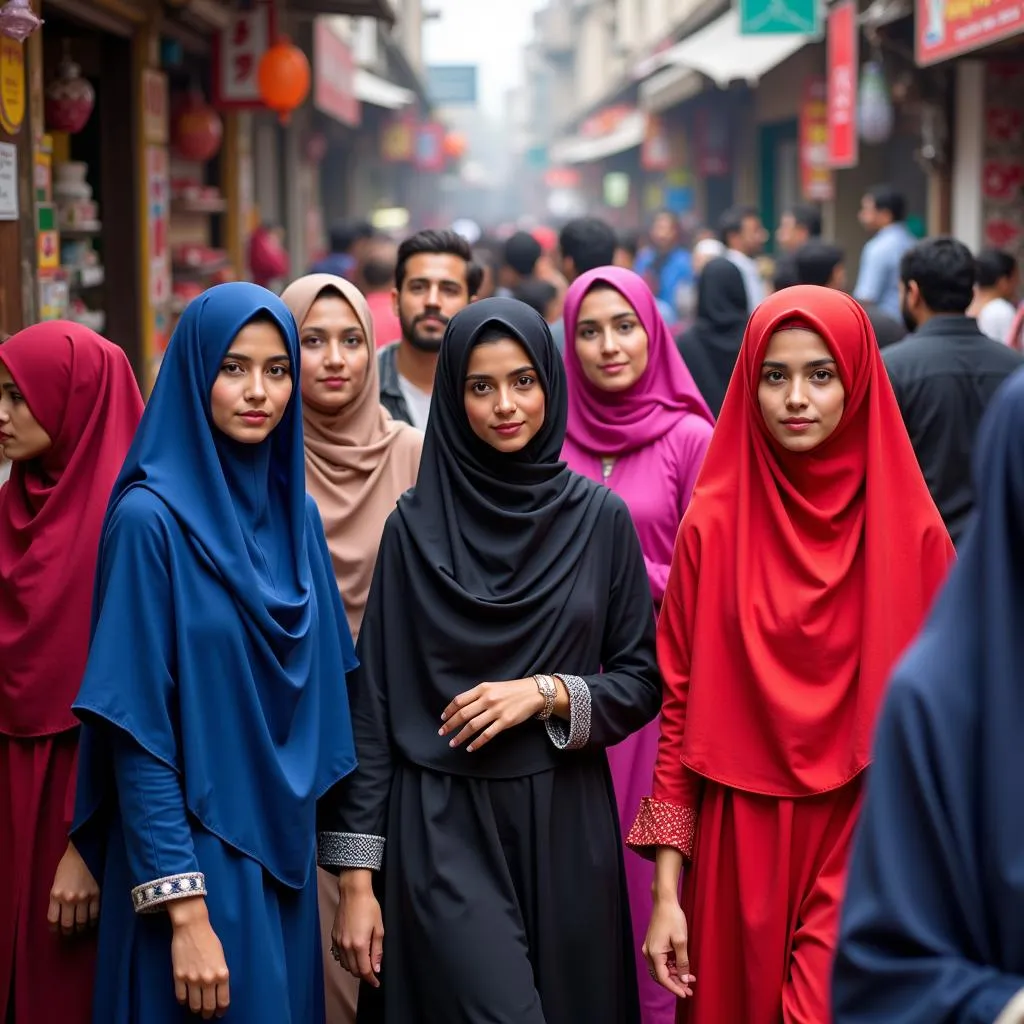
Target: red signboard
711,143
236,58
843,66
815,172
334,76
945,28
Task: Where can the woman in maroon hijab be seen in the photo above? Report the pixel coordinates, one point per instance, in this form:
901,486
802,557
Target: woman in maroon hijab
69,406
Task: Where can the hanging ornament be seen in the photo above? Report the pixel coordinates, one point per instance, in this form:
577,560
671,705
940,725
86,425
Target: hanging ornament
197,130
454,145
18,20
70,97
874,113
283,78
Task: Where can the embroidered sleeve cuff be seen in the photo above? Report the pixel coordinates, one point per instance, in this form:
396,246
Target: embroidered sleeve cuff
662,824
350,850
151,895
575,733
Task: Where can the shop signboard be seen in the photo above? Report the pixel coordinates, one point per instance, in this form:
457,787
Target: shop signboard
12,85
8,181
334,76
398,140
429,154
155,108
236,58
842,61
655,153
711,143
946,28
452,85
158,189
780,17
816,181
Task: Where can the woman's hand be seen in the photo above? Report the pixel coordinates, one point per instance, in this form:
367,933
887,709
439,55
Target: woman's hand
490,709
665,948
74,897
357,938
201,980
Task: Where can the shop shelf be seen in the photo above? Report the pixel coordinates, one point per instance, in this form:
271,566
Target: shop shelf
85,277
199,207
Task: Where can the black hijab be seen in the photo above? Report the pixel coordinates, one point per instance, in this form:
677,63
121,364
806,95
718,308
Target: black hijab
711,346
480,560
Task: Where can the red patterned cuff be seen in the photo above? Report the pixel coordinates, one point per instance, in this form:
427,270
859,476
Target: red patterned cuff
662,824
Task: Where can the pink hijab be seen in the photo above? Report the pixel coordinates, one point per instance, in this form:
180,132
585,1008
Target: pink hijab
613,423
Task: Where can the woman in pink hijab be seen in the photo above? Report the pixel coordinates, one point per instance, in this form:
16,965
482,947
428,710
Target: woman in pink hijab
638,423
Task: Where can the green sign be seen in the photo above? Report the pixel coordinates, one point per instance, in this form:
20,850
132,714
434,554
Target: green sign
780,17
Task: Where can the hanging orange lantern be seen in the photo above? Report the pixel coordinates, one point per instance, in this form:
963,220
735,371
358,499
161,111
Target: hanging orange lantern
454,145
283,78
198,130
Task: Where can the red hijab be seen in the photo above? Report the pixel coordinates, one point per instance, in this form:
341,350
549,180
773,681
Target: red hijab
81,389
799,578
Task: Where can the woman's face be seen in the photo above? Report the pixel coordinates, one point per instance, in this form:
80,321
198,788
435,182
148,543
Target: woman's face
21,435
254,384
611,343
800,393
503,396
335,354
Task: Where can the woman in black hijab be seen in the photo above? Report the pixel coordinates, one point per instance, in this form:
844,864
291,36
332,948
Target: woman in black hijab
711,346
508,640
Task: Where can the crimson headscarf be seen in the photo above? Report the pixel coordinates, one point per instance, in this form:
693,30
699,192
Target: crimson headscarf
81,389
798,578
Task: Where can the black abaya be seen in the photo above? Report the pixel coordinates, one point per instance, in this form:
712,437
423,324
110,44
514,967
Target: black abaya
502,883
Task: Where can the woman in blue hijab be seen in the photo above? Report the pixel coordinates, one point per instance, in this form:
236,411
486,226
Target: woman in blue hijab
932,923
214,705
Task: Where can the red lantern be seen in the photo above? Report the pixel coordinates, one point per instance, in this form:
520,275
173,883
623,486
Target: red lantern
69,99
198,130
283,78
454,145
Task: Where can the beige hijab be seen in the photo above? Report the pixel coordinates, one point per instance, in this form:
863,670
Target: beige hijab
358,461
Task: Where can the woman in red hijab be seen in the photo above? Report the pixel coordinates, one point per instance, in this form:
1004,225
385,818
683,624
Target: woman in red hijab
69,406
806,562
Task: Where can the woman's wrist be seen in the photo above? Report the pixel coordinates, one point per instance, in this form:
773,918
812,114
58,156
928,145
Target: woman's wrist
187,911
351,880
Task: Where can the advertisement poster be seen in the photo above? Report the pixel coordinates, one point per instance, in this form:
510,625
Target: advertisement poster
430,147
12,85
945,28
158,203
1002,173
236,58
843,62
816,182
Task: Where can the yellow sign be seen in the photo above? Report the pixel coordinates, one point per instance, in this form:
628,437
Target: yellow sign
12,85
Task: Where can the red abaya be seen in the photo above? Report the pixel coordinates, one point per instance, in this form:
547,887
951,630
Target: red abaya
797,580
80,389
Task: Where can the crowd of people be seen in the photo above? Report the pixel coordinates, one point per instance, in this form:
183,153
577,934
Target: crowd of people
499,634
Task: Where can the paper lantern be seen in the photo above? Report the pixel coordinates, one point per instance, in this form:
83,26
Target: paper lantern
454,145
70,99
197,130
283,78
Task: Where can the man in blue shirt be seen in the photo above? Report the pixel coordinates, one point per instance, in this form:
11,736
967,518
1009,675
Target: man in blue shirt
665,265
882,212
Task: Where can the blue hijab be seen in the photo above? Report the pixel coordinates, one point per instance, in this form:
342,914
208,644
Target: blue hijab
931,927
219,639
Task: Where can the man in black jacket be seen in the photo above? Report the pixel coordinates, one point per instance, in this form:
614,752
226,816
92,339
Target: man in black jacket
946,372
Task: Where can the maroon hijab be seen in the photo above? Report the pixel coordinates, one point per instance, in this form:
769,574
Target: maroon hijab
81,389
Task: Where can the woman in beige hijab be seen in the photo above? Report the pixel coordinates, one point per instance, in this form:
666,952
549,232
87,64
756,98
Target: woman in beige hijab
358,462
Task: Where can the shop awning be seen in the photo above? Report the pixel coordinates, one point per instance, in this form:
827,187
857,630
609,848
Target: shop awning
722,53
380,9
379,92
583,149
670,87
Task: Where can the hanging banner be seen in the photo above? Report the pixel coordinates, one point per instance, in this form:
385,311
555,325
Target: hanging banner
237,50
946,28
655,152
12,85
334,76
429,154
843,58
816,181
711,143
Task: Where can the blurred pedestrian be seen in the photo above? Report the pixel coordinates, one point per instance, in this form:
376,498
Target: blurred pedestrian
995,294
665,263
348,249
931,918
268,258
743,235
483,800
584,244
214,699
824,264
798,225
69,406
435,277
883,213
946,372
486,257
712,345
627,247
521,254
704,252
541,296
359,462
638,425
378,273
796,582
